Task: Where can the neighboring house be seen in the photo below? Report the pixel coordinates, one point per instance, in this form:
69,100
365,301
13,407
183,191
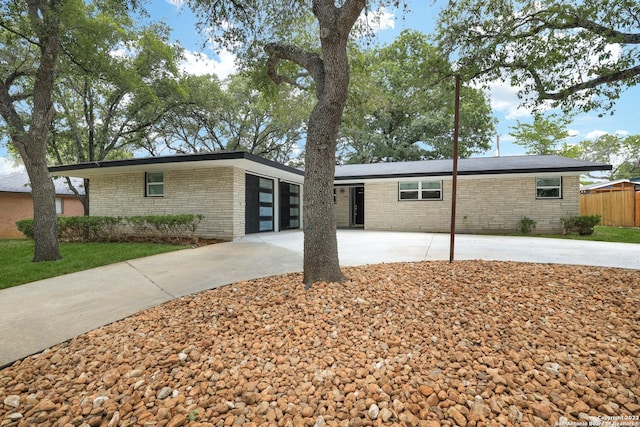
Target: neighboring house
239,193
16,202
618,185
493,194
617,202
236,192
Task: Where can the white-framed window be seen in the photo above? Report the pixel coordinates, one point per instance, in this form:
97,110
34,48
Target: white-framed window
549,188
59,205
420,190
154,184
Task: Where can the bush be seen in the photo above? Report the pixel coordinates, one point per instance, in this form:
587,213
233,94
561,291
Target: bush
527,225
86,228
583,225
26,227
157,228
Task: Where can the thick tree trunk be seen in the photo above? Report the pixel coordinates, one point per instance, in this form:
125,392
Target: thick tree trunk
321,262
45,220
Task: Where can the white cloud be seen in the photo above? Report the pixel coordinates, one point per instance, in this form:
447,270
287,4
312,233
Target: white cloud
198,63
378,20
622,133
176,3
8,166
595,134
504,98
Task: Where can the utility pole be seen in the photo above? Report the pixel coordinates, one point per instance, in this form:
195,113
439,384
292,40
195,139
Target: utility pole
454,184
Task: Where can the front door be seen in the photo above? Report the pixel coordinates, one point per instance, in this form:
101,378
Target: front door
357,206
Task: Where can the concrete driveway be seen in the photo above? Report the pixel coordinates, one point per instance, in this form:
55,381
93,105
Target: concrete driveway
38,315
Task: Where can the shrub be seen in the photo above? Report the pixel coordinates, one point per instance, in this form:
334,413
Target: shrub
84,228
157,228
583,225
26,227
527,225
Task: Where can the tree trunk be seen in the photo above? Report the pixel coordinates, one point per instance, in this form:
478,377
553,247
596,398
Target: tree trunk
45,17
321,262
45,220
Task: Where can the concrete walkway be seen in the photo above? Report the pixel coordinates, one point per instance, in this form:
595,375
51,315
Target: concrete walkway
38,315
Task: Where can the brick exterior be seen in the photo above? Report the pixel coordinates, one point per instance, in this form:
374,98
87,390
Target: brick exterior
216,193
17,206
342,207
484,205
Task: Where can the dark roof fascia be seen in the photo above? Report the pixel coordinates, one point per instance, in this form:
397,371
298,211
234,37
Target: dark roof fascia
220,155
478,172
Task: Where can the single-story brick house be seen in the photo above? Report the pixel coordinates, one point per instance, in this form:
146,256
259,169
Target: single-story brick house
16,202
239,193
493,194
236,192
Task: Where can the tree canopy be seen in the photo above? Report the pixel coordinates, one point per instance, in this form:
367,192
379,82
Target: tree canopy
401,106
577,54
546,135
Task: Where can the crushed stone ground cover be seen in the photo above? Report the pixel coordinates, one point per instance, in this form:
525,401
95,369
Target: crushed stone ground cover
471,343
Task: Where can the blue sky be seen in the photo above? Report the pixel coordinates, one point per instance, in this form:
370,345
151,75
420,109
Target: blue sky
201,59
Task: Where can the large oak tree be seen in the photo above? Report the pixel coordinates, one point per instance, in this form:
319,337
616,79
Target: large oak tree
267,25
576,54
35,35
401,106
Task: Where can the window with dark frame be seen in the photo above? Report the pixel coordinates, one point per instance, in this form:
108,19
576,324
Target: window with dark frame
420,190
549,188
154,184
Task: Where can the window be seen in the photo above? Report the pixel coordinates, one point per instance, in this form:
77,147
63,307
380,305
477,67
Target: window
154,184
420,190
549,188
59,206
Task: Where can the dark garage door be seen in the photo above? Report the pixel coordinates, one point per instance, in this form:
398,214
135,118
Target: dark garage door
259,204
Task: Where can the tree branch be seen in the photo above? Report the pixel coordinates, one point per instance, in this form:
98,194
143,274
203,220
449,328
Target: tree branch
617,76
310,61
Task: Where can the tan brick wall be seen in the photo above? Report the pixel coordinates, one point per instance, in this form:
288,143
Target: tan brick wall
484,205
216,193
342,207
17,206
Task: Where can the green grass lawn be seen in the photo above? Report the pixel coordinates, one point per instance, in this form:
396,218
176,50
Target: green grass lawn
603,234
16,267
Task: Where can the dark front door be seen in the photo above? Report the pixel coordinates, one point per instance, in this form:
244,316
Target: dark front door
259,204
357,206
289,206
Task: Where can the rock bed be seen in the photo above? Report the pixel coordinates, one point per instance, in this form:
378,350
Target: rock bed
414,344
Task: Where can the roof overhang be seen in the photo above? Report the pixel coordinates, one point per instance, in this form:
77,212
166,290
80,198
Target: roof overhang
471,167
239,159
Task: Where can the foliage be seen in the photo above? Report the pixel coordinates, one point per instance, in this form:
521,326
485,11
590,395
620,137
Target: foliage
164,227
622,152
401,106
16,267
583,225
527,225
151,228
241,114
573,54
544,135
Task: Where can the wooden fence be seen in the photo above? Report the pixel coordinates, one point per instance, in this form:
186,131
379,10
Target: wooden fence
617,208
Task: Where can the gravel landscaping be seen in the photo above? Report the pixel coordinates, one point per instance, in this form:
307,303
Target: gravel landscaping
410,344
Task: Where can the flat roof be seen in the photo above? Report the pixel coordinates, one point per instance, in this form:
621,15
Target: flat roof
247,161
470,166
